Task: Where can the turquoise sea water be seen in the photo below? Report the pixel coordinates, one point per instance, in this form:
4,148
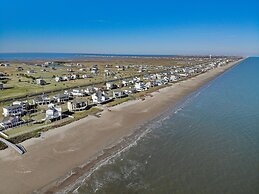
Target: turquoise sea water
210,145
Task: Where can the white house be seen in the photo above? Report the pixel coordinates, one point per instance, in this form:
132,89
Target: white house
94,70
61,98
31,71
19,69
70,70
183,75
130,91
85,76
119,94
125,83
41,100
173,78
13,110
78,93
54,112
77,105
149,84
146,77
83,69
75,76
5,64
59,79
41,82
140,86
90,90
25,105
100,97
110,85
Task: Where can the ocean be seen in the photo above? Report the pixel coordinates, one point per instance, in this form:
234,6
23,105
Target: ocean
208,144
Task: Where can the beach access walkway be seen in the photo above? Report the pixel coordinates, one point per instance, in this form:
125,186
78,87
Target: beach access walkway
20,149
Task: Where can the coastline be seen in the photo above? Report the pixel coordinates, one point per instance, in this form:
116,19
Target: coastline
60,150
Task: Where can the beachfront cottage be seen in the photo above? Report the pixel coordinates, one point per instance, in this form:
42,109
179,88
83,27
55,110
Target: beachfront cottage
61,98
183,75
25,104
5,65
94,70
158,76
161,82
41,100
146,77
41,82
83,69
174,78
77,105
70,70
79,65
100,97
85,76
10,122
59,79
90,90
130,91
110,86
53,113
140,86
125,83
13,110
31,71
19,69
78,93
119,94
149,84
75,76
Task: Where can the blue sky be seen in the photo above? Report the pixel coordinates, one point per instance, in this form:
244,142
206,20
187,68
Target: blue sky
130,27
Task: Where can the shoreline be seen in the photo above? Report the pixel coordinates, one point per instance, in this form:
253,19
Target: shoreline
60,150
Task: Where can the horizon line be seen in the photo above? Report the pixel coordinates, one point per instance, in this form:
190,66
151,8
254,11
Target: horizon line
121,54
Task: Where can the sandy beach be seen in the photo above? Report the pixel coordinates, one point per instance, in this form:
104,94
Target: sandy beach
61,150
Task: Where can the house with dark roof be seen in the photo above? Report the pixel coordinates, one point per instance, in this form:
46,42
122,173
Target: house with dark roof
118,94
41,100
10,122
61,98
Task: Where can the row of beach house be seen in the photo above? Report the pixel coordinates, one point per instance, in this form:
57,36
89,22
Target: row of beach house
14,114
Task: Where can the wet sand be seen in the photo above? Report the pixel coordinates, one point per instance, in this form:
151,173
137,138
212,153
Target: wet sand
61,150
